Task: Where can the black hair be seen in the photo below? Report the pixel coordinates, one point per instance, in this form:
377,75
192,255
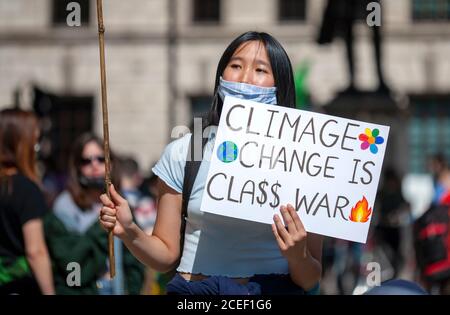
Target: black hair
129,166
440,158
281,69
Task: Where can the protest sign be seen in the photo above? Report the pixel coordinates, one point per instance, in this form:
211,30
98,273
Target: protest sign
266,156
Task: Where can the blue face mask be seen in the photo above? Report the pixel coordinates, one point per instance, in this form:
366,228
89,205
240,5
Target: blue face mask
244,91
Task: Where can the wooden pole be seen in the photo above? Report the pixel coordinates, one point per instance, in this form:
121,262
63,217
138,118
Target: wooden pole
101,41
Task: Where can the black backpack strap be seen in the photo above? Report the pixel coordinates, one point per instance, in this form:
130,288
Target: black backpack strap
190,173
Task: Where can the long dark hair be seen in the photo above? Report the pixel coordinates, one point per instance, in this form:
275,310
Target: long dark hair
78,192
281,69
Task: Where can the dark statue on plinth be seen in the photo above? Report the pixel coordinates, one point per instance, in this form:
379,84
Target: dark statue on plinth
338,20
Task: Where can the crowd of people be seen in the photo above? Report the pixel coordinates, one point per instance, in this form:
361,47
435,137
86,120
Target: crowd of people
407,247
40,239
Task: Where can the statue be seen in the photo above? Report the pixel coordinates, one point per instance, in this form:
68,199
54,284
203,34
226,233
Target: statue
338,19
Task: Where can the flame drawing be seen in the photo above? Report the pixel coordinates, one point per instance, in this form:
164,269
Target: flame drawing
361,211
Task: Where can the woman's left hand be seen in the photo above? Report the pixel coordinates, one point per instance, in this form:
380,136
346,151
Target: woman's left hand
290,235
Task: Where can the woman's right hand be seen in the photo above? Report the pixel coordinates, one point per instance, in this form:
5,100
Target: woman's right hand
115,214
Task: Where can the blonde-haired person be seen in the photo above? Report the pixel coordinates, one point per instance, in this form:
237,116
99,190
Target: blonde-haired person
25,266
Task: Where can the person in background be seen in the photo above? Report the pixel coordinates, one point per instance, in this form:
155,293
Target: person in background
73,232
441,178
155,281
25,266
432,232
347,265
150,186
143,206
394,217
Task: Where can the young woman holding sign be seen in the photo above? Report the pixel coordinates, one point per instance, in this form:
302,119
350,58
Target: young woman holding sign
223,255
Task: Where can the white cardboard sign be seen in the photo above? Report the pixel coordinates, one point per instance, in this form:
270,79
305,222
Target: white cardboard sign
266,156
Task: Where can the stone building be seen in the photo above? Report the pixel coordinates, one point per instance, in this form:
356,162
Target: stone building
162,57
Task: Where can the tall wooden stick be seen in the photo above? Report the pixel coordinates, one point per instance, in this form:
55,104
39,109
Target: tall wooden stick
101,41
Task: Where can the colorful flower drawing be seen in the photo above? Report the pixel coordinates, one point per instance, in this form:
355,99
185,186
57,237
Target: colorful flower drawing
370,139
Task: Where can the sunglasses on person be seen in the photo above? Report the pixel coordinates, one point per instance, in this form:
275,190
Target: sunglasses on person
91,159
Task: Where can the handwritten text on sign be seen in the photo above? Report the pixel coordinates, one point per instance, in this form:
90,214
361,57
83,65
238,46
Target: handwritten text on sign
266,156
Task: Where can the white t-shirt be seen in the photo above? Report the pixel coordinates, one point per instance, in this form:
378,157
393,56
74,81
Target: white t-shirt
214,244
